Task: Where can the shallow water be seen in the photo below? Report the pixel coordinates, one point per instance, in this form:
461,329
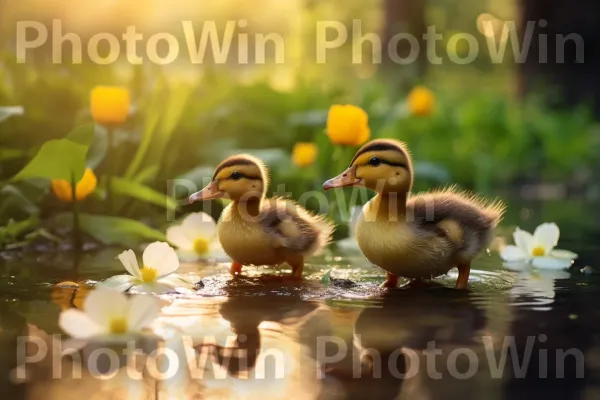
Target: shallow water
340,339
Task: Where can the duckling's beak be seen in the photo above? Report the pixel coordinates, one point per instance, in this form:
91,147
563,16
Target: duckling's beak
346,178
211,191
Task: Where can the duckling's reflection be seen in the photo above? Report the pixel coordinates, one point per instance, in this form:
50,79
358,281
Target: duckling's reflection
246,315
390,337
256,344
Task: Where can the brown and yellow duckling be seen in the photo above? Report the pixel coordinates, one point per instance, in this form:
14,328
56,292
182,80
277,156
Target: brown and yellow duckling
254,230
415,236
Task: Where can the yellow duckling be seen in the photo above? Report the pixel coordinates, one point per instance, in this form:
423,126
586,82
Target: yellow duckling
415,236
254,230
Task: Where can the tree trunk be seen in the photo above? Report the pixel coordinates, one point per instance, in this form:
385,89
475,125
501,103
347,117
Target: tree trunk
404,17
567,72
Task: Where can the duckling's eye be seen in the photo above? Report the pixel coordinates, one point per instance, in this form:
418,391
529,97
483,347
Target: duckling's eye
374,161
236,176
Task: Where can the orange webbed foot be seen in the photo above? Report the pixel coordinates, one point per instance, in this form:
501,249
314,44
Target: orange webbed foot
464,270
391,281
236,269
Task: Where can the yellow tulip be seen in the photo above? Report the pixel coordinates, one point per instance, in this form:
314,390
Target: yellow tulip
110,105
304,154
63,191
348,125
421,101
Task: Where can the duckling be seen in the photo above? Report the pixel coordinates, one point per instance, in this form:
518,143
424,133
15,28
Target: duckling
415,236
254,230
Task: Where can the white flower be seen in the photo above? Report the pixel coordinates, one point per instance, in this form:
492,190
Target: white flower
538,249
156,274
196,237
350,244
109,313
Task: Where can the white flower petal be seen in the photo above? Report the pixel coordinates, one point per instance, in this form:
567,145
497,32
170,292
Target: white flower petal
176,282
129,261
521,265
523,240
546,235
143,310
551,263
177,236
122,283
560,253
161,257
151,288
102,304
199,225
513,253
78,324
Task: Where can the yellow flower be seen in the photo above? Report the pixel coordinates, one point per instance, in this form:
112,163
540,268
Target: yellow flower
348,125
63,191
110,105
304,154
421,101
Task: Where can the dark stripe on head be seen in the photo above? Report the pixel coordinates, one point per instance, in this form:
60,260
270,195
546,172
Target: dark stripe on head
381,145
230,162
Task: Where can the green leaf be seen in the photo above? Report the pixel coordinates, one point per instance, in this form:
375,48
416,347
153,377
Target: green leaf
326,279
95,139
163,114
146,174
83,134
56,159
15,202
141,192
113,230
150,124
14,230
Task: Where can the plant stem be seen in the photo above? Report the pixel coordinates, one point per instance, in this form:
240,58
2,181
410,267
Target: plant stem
107,160
75,205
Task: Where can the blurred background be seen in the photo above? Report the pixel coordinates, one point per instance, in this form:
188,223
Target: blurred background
521,128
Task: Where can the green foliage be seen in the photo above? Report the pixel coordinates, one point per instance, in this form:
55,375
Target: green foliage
57,159
83,135
113,230
11,232
19,200
142,192
162,116
481,140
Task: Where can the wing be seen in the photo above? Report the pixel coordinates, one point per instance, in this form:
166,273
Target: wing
466,220
289,226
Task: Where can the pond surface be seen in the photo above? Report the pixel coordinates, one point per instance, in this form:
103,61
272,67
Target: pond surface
513,334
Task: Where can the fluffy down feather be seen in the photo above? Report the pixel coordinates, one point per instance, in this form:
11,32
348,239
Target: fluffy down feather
294,228
466,219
